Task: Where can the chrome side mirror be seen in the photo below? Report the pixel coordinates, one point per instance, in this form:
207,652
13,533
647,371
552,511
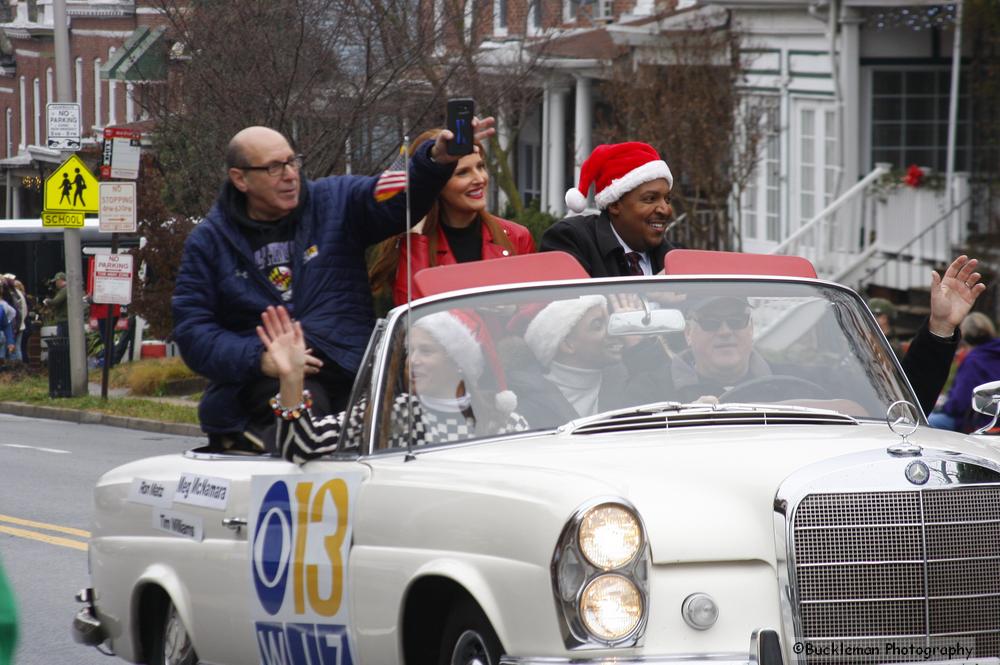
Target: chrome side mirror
986,400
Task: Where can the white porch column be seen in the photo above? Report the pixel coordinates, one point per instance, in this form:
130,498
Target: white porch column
129,102
543,181
557,150
850,84
112,93
503,138
98,118
23,100
36,97
112,102
583,125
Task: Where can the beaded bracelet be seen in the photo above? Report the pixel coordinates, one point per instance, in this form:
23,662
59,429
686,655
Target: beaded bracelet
294,412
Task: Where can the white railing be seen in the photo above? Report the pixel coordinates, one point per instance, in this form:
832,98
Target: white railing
836,237
890,235
932,246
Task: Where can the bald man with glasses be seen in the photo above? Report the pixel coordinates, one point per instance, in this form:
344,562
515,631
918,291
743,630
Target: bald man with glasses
274,238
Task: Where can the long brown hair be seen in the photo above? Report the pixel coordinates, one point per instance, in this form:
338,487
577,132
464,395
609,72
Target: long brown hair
385,261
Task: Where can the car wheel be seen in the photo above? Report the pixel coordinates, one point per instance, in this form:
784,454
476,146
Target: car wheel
171,644
468,638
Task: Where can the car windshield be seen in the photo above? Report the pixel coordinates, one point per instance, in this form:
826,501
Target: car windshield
535,358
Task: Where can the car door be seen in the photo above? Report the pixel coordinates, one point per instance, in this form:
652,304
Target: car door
292,561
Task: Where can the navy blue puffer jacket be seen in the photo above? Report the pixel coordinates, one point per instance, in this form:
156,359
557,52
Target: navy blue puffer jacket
220,293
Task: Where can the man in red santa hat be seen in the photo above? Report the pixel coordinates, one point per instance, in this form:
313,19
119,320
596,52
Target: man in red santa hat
632,190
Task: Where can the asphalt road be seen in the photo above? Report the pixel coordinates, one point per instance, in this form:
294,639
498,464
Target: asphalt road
47,473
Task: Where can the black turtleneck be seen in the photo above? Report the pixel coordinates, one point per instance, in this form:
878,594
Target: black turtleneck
466,243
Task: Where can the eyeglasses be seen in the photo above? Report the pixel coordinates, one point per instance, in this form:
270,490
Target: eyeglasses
274,169
712,324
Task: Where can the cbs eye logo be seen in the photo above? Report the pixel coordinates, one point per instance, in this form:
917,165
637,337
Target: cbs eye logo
279,549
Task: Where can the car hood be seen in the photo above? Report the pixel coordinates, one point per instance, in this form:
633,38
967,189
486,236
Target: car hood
708,493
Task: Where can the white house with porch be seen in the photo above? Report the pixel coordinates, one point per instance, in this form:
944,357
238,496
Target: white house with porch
857,91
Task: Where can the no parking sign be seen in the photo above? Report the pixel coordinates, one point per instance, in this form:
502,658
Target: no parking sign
113,279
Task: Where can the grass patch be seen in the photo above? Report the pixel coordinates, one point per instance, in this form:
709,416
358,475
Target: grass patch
146,377
116,377
34,389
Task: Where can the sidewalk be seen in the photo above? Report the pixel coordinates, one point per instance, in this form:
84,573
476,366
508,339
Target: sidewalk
95,418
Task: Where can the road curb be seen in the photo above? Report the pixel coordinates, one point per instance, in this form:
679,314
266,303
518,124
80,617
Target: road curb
95,418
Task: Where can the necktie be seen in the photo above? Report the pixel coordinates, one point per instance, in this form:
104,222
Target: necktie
634,266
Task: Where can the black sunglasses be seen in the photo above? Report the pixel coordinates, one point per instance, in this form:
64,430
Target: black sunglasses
712,323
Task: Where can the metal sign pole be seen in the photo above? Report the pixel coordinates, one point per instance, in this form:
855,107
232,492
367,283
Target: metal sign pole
109,336
109,332
71,237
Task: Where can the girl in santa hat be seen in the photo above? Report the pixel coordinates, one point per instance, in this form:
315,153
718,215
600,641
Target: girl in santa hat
458,228
444,365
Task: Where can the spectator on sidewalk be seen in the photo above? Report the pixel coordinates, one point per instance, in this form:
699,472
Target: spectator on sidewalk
980,365
58,306
14,295
885,315
32,321
6,331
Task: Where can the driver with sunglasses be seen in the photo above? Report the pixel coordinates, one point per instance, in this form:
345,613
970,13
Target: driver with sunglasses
720,352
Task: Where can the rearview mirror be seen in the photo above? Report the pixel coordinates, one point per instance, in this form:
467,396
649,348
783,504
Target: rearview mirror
986,400
653,322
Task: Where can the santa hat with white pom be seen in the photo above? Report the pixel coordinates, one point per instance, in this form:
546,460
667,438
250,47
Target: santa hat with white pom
615,170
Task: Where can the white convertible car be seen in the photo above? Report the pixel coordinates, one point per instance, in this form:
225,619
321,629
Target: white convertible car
637,510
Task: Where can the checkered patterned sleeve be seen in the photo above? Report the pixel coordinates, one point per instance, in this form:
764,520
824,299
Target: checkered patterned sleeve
403,426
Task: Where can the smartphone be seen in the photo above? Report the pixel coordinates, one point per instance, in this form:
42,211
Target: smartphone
460,113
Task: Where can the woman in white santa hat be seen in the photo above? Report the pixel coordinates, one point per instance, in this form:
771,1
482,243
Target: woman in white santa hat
445,364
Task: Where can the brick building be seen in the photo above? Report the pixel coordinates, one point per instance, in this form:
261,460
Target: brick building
117,51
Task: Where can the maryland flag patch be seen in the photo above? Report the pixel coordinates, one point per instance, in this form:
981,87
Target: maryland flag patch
281,277
393,179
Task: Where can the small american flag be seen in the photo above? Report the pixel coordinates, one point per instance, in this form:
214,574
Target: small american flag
393,179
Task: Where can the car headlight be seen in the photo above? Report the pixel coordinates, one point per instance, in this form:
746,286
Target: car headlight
600,576
610,536
611,607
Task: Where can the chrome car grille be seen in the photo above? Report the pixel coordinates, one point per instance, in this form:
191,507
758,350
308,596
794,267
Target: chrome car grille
904,568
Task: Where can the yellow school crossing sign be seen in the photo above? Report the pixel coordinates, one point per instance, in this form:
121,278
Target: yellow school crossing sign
71,188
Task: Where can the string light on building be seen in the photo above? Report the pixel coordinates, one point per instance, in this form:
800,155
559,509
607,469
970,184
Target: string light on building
915,17
31,182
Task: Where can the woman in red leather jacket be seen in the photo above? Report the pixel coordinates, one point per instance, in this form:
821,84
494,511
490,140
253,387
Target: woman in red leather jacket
457,229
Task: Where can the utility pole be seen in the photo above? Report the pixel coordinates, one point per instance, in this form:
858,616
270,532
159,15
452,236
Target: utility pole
71,236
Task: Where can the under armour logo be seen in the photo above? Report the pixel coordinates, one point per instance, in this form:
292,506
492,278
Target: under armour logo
241,273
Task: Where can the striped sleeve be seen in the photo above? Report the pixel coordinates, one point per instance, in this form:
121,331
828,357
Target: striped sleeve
305,437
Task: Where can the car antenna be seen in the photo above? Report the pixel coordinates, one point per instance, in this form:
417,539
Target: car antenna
409,302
